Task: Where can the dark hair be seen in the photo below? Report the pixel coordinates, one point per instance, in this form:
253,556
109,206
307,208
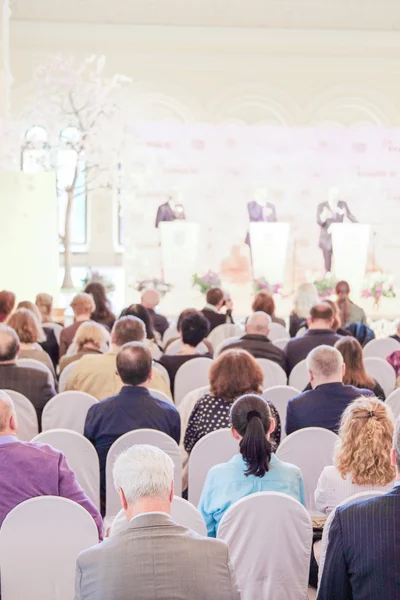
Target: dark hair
98,291
321,312
128,329
134,363
336,316
264,302
234,373
7,302
214,296
251,417
184,313
139,311
355,373
9,343
343,303
194,328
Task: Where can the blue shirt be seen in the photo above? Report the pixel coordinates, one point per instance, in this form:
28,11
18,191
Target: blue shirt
227,483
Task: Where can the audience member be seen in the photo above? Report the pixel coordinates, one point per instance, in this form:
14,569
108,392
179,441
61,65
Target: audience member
30,333
32,383
7,303
363,550
215,301
394,361
255,469
30,469
264,302
139,311
319,333
44,302
194,328
233,374
83,306
132,408
150,300
50,343
154,557
362,458
256,340
306,297
324,404
396,336
186,312
97,375
355,373
337,323
90,338
102,313
349,312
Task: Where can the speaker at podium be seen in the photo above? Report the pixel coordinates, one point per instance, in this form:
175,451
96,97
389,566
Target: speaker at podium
179,251
350,252
269,243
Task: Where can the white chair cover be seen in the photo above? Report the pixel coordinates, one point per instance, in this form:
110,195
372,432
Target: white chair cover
299,377
280,395
281,343
278,332
190,376
218,349
311,449
213,449
160,395
139,436
223,332
182,512
37,364
163,372
65,375
381,348
393,401
40,540
169,334
67,410
28,425
57,328
176,346
384,373
269,535
72,349
155,351
273,373
81,456
301,331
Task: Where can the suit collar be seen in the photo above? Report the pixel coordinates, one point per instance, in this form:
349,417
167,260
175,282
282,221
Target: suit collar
128,390
318,332
151,520
255,336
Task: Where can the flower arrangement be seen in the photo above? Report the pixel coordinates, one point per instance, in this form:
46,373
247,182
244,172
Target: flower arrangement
325,286
160,285
206,281
379,286
96,276
262,285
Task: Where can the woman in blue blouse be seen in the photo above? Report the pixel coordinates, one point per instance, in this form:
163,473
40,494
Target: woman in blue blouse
255,469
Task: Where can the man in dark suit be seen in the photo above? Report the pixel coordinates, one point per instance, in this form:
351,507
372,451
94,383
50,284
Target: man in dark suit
215,299
324,404
32,383
150,299
261,211
333,211
319,332
169,211
132,408
362,559
256,341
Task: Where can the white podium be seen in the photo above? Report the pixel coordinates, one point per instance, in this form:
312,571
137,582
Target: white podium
350,252
269,243
179,250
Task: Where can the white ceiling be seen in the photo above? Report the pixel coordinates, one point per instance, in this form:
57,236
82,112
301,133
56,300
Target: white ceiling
274,14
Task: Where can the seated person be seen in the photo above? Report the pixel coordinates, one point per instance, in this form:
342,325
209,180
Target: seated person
83,306
205,343
264,302
90,338
349,312
7,303
30,333
153,557
255,469
44,302
139,311
305,298
150,300
216,300
50,343
355,373
103,313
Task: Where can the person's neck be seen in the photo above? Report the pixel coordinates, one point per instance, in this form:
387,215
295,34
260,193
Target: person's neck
26,346
89,346
80,318
314,325
187,349
260,333
9,362
148,505
8,432
325,381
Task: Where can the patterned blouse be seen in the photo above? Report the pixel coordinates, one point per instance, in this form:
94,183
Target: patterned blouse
212,413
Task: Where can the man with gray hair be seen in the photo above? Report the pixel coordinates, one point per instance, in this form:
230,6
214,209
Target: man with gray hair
150,299
153,557
324,404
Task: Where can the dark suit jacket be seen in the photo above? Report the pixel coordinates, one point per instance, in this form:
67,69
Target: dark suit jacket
165,213
215,318
32,383
260,347
321,407
160,323
50,345
259,213
133,408
362,560
325,238
299,348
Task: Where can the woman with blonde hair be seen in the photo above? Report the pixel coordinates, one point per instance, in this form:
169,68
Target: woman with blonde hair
49,344
90,338
305,298
363,455
31,334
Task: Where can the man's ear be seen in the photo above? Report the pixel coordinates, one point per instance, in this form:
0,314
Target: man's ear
172,492
122,498
13,423
309,321
343,369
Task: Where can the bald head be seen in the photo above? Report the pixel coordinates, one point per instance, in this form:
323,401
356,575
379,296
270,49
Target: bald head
150,298
325,365
258,324
8,421
9,344
134,363
321,316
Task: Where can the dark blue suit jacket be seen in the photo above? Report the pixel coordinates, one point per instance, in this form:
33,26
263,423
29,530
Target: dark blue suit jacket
362,560
321,407
299,348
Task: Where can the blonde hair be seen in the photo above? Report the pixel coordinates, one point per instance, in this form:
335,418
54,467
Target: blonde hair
366,432
26,325
44,302
83,303
32,307
306,297
93,333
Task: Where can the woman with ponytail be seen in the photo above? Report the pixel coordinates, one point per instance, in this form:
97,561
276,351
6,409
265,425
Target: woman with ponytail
254,469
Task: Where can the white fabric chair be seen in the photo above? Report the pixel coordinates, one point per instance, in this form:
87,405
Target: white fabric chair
301,331
269,535
40,540
176,346
160,395
214,448
57,328
169,334
28,425
273,373
384,373
311,449
139,436
155,351
67,410
281,343
393,401
380,348
280,395
163,372
218,349
182,512
278,332
299,377
81,456
190,376
37,364
65,375
223,332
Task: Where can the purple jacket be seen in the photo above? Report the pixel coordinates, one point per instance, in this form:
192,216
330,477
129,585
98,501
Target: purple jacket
30,469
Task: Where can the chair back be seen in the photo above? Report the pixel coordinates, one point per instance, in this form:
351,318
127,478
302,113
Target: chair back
56,327
279,396
155,351
169,334
383,372
393,401
67,410
281,343
187,405
160,396
81,456
278,332
176,346
40,540
269,535
223,332
37,364
65,375
381,348
311,449
139,436
214,448
163,372
218,349
191,375
28,425
273,373
299,377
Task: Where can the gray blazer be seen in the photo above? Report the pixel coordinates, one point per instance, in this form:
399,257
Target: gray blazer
156,559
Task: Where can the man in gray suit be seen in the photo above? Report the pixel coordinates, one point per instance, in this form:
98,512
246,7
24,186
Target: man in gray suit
153,557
